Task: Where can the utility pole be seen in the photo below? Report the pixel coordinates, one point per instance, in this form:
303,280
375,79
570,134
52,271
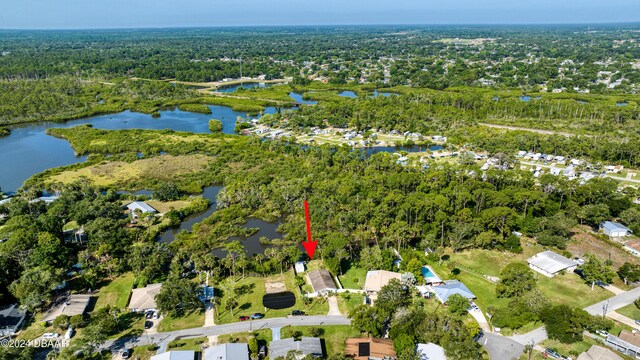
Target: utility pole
605,306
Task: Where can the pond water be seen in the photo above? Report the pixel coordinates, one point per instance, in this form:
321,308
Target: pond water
349,94
29,150
298,99
187,223
252,243
232,88
391,149
622,103
385,94
525,98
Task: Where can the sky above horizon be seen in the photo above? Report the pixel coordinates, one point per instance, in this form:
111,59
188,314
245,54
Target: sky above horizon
86,14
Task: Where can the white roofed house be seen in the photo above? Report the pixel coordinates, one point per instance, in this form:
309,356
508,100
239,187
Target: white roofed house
549,263
140,206
450,287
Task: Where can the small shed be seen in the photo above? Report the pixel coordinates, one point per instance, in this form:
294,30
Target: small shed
300,267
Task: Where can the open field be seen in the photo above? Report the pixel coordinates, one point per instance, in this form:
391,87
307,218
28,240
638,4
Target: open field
585,242
142,353
252,302
164,167
191,320
348,302
117,292
263,335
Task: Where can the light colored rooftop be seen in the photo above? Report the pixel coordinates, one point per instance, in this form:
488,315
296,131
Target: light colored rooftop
235,351
144,298
75,304
551,262
377,279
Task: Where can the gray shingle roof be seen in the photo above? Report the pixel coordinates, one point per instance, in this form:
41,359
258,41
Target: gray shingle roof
452,287
306,345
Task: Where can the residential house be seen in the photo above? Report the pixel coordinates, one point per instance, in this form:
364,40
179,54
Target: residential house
370,349
375,280
235,351
450,287
321,281
140,206
555,171
611,169
176,355
627,343
144,299
11,318
549,263
71,305
301,348
613,229
430,351
596,352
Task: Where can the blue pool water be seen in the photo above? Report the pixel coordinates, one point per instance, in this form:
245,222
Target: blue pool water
426,272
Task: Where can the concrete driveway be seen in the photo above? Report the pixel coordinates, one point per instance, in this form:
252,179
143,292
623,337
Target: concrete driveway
500,347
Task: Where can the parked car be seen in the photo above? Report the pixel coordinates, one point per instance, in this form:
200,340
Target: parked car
257,316
149,314
297,313
262,352
552,353
602,333
155,315
126,353
638,322
244,318
148,324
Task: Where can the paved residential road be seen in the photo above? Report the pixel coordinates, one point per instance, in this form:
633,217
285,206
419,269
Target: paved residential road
614,303
500,347
162,339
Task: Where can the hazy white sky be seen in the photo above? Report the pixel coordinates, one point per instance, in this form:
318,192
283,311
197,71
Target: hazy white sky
47,14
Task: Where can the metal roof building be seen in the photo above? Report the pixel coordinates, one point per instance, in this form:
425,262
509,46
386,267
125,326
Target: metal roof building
430,351
321,281
549,263
613,229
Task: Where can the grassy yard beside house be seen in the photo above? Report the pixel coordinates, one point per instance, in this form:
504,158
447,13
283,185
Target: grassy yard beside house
117,292
252,302
354,278
631,311
194,344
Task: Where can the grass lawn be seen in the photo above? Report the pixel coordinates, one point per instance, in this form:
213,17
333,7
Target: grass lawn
347,302
631,311
354,278
334,336
572,350
133,324
569,289
117,292
192,320
165,206
34,329
142,353
187,344
252,302
263,335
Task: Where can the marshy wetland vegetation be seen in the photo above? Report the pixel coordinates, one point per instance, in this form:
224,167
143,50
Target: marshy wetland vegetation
160,120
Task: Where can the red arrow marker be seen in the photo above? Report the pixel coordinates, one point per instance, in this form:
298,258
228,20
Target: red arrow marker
309,245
